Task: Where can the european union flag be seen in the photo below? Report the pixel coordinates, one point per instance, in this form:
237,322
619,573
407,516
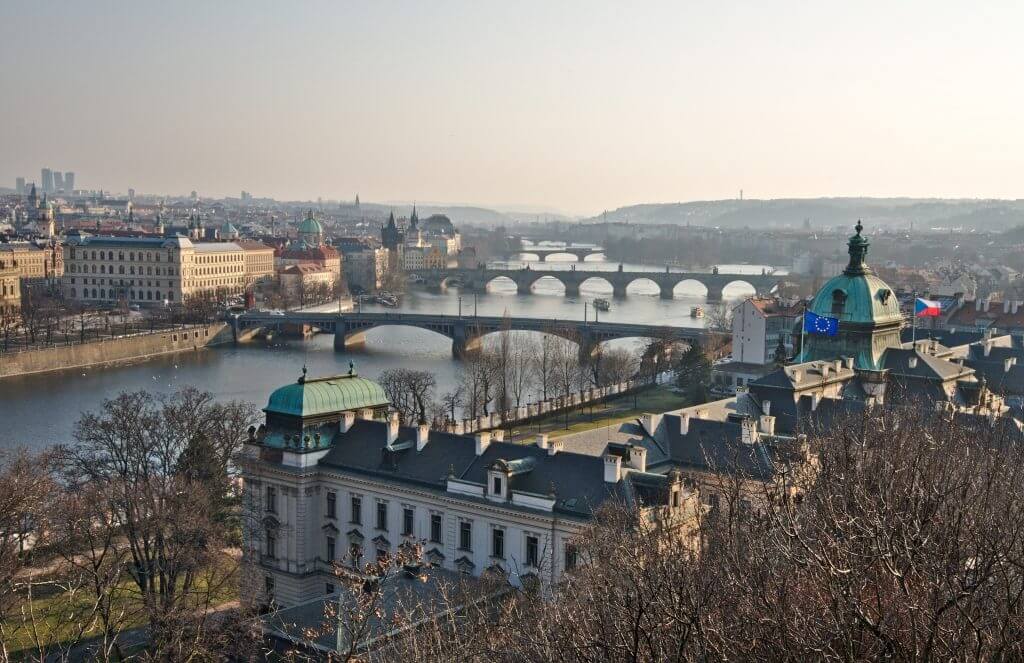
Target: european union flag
819,324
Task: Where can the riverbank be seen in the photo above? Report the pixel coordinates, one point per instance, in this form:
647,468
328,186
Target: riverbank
114,350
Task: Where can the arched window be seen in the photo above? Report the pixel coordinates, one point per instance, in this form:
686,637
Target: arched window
103,294
101,255
131,256
838,301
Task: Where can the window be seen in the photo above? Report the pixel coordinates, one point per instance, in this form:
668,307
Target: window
382,554
328,588
271,499
356,554
271,549
332,504
498,543
435,527
407,521
382,516
570,557
330,549
466,535
532,551
675,499
497,485
357,510
838,301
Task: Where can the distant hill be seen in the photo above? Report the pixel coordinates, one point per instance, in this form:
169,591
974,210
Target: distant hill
824,212
477,216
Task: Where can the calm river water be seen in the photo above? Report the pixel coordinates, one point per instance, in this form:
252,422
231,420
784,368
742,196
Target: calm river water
37,411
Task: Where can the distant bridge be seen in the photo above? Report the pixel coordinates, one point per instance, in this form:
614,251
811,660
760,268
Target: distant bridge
543,252
350,329
713,282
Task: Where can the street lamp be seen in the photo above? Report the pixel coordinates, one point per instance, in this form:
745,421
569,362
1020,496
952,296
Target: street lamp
460,306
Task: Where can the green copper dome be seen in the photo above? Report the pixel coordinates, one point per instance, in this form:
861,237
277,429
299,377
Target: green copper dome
866,307
328,395
310,226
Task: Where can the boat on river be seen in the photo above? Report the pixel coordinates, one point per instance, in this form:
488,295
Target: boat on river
602,304
697,312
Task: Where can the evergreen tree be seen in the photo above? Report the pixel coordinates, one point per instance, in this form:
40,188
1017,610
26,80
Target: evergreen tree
693,374
780,354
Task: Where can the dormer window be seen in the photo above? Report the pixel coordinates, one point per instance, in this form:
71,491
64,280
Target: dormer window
838,301
497,486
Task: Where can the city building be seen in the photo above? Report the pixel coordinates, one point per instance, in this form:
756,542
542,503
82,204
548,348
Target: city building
37,262
69,182
10,289
365,268
762,338
866,363
46,180
259,261
310,249
331,478
155,270
19,186
300,280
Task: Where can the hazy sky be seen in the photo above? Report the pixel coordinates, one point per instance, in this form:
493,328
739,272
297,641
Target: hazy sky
578,106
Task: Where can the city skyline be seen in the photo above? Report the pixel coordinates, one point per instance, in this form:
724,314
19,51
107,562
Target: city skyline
573,108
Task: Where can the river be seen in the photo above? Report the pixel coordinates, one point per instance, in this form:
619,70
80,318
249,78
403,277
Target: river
40,410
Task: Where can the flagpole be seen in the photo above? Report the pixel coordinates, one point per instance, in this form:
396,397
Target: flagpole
803,330
913,319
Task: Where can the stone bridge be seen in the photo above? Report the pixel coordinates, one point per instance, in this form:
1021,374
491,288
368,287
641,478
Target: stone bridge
542,252
714,282
349,329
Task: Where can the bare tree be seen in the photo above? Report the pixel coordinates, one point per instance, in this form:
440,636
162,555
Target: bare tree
161,469
411,392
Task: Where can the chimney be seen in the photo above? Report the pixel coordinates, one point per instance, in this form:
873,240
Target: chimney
912,361
366,413
988,348
554,446
650,422
766,424
612,468
483,440
815,400
748,431
393,428
824,370
347,419
849,362
1016,305
978,304
637,458
422,436
1007,363
986,305
684,424
542,441
766,407
1006,306
498,435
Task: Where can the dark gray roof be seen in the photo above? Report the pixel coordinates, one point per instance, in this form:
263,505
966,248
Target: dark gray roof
898,362
716,446
577,479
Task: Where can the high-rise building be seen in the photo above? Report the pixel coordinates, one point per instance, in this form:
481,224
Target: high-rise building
19,186
69,182
58,181
47,180
131,195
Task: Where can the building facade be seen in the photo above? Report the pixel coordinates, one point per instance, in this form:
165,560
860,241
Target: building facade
330,479
151,271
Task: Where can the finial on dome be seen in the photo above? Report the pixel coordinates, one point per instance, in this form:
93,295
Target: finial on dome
859,227
302,378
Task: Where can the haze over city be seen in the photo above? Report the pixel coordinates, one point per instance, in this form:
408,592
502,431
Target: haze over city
574,106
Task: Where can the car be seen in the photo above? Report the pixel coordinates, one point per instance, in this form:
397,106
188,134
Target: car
276,312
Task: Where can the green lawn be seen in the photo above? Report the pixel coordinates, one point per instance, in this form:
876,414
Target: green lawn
617,410
57,617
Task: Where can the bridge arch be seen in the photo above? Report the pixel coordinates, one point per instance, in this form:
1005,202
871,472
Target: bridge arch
528,256
501,284
738,288
598,256
597,284
549,280
689,288
643,286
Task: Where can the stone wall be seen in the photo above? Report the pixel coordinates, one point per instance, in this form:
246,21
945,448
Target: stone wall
111,351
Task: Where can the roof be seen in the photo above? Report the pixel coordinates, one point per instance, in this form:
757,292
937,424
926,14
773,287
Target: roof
311,226
130,242
326,395
968,315
772,307
216,247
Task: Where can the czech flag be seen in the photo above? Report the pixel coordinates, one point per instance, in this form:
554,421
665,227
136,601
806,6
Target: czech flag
927,308
819,324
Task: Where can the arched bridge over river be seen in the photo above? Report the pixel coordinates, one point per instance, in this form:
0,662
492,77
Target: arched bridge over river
572,279
465,331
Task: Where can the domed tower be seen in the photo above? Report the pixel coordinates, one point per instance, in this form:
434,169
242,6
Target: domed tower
866,307
311,232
